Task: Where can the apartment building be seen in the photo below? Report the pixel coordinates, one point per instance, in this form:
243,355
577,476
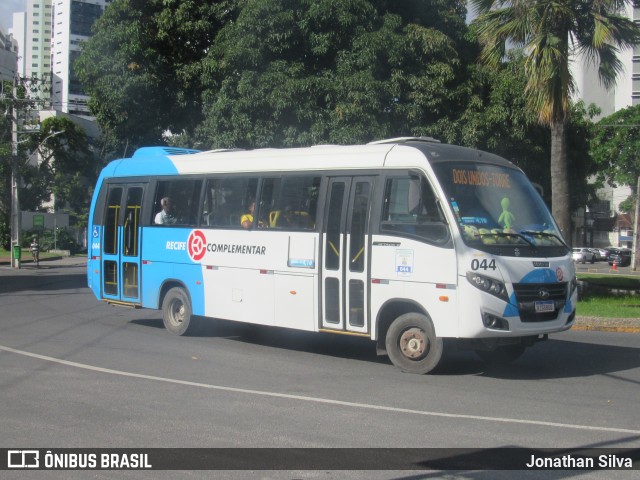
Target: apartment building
72,21
49,37
8,56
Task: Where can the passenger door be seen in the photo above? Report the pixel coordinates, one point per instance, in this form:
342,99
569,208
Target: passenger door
121,242
345,255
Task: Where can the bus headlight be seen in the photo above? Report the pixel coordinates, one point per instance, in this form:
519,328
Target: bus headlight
489,285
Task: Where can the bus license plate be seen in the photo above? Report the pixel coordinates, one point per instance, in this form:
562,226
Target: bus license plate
546,306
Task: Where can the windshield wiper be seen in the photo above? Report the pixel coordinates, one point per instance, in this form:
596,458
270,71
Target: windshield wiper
505,234
546,234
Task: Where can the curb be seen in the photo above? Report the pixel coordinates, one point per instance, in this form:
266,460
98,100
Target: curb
601,324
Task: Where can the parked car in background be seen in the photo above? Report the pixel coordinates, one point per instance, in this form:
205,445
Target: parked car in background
604,253
597,254
583,255
611,250
621,257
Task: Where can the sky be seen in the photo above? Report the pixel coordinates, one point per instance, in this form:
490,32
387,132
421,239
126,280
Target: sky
7,9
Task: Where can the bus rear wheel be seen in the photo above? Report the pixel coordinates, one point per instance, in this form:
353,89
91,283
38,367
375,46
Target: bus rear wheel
176,312
412,344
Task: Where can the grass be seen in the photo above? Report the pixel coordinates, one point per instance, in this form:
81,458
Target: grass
627,306
600,301
610,281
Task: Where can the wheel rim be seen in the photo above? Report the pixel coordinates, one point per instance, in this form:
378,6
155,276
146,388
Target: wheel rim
414,344
176,313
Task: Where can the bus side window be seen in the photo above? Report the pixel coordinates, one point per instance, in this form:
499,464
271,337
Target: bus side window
410,208
176,202
226,200
296,204
271,191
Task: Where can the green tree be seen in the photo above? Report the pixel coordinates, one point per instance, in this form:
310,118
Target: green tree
550,31
615,147
142,66
301,72
5,169
61,164
498,119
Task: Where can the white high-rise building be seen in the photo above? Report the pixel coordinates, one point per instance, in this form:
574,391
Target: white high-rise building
18,30
625,93
72,22
37,52
627,89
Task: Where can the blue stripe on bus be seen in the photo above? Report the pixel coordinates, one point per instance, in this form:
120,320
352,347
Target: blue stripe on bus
145,161
165,258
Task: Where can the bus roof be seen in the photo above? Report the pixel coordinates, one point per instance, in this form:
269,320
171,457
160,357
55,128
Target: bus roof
399,152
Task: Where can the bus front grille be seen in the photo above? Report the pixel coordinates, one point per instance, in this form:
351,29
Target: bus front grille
533,297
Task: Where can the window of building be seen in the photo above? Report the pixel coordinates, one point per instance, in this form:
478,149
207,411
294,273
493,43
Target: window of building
83,15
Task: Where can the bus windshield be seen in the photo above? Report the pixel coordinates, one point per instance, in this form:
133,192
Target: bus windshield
496,206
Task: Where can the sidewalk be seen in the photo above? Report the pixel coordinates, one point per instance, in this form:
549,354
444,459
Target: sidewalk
27,263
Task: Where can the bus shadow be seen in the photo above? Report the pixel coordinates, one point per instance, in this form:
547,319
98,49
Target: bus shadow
340,346
553,359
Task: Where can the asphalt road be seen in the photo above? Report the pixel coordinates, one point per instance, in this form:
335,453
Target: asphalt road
75,372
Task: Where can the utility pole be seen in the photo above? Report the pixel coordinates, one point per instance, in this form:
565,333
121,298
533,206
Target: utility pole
15,180
634,251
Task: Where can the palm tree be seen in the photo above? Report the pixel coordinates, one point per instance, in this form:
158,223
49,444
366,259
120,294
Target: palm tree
550,32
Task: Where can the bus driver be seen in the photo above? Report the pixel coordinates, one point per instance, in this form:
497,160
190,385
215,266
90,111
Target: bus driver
164,216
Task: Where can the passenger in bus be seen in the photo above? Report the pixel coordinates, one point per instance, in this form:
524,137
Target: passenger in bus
246,220
287,220
165,216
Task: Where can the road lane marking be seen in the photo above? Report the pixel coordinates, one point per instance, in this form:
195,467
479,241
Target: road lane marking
326,401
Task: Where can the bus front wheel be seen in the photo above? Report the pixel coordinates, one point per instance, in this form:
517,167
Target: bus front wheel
412,344
176,312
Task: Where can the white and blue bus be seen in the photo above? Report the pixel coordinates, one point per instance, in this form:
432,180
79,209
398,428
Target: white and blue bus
408,242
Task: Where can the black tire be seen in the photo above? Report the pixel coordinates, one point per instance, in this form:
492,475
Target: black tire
502,355
412,344
176,312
